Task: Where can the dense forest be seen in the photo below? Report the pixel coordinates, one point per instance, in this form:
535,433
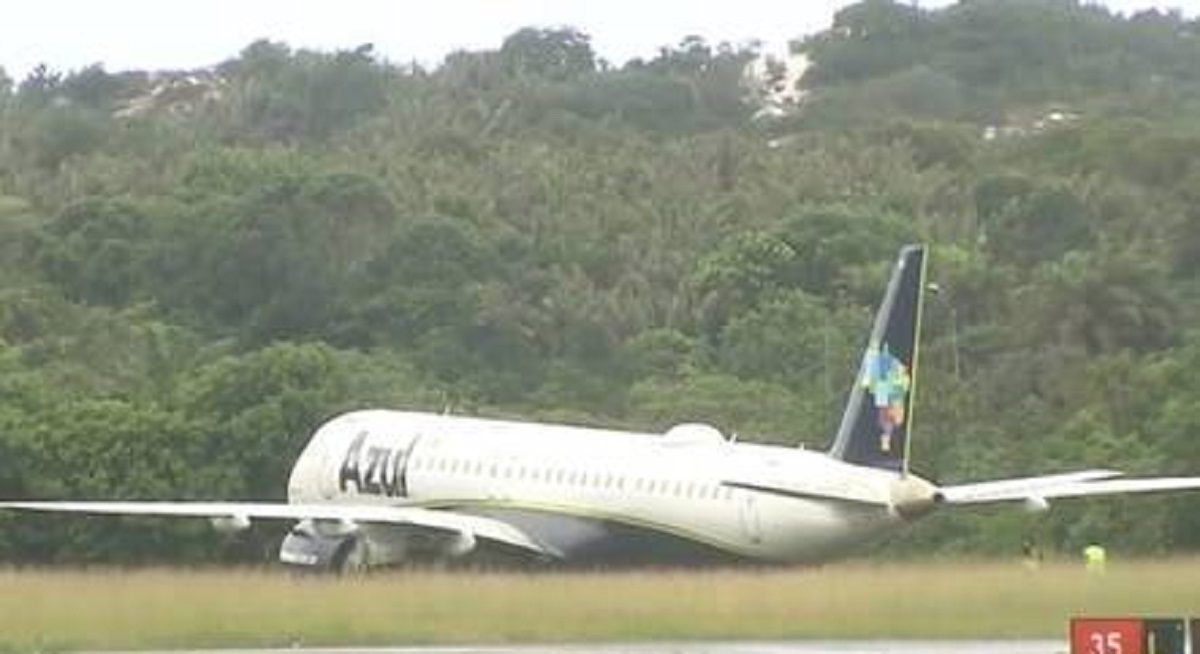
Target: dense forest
198,267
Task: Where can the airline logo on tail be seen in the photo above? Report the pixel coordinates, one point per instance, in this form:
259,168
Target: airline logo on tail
886,378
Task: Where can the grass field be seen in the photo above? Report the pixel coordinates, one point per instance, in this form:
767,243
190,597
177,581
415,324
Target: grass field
49,610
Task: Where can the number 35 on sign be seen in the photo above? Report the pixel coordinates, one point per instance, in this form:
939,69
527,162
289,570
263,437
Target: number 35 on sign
1127,636
1106,636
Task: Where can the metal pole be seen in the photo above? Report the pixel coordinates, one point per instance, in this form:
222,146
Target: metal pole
954,338
936,290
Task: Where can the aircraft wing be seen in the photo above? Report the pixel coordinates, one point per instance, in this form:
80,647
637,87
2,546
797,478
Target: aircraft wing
1071,484
443,522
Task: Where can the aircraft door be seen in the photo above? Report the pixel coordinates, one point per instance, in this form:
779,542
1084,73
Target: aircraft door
330,464
749,518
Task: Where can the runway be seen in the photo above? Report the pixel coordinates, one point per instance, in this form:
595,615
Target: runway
783,647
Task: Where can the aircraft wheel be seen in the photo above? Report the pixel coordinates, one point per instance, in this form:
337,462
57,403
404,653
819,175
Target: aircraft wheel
352,557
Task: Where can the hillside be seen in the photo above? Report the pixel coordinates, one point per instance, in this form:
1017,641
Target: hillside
197,267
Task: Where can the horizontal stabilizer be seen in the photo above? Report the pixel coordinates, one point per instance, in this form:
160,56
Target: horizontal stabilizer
1074,484
1121,486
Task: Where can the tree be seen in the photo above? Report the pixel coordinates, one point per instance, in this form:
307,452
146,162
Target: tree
266,241
753,410
732,279
115,450
1105,304
97,250
6,87
830,242
659,353
795,340
93,87
39,86
868,39
259,409
1041,225
285,96
57,134
552,54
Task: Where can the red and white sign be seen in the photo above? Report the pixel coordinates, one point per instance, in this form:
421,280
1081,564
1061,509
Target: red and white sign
1106,636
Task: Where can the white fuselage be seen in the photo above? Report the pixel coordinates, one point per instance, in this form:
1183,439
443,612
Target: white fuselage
579,490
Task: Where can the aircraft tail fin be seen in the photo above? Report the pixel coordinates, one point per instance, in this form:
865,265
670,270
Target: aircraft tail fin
877,422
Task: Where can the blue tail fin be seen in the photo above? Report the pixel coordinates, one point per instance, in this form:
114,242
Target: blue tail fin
877,423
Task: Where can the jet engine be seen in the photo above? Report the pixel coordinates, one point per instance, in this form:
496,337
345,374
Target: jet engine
1035,504
231,524
318,546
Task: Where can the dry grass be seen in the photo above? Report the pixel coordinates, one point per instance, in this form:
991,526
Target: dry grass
48,610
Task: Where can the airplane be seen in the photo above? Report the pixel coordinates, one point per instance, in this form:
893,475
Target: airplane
380,487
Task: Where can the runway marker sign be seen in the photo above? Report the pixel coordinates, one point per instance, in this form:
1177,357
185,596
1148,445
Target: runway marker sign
1131,636
1106,636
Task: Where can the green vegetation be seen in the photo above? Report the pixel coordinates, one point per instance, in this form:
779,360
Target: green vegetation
198,268
156,609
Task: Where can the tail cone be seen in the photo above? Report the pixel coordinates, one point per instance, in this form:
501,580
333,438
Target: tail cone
913,497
